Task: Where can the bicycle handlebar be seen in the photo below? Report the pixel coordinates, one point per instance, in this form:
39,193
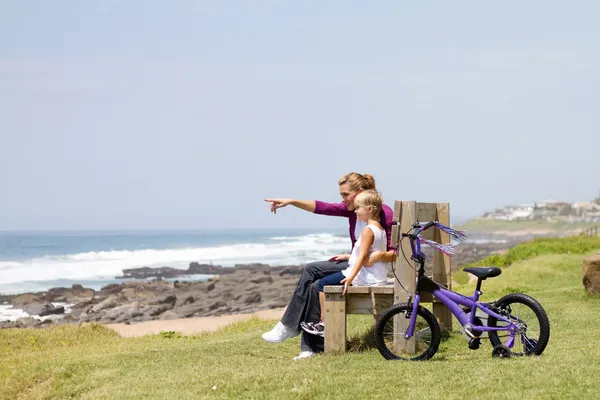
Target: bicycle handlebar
426,226
417,228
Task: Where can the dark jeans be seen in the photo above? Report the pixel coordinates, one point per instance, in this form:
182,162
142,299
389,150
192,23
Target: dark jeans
330,280
304,304
309,342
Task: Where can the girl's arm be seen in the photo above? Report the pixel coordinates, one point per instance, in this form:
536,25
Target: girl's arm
366,241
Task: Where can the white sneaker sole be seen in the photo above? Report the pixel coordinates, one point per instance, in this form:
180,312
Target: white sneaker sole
278,340
273,341
303,357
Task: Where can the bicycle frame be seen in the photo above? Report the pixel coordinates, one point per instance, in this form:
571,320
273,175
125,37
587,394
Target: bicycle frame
451,299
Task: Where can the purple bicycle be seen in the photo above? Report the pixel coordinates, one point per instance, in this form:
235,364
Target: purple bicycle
516,324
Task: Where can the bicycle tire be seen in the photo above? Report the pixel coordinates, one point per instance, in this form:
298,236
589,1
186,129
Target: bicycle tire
531,345
387,317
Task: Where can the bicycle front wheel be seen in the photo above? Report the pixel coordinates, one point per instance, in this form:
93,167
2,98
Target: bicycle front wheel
533,330
391,327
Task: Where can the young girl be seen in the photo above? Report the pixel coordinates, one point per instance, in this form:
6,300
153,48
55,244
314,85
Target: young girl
372,239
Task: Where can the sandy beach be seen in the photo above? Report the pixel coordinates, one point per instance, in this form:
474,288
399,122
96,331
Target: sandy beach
189,326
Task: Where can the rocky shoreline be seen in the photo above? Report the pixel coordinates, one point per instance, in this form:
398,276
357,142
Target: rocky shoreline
150,296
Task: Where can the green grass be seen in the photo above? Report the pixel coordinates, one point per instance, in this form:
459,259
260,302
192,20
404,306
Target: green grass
93,362
492,225
539,246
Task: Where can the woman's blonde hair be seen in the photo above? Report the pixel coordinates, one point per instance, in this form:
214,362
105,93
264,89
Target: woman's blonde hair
369,198
358,181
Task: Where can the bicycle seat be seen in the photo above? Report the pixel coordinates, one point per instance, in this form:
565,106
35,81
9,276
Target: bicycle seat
484,272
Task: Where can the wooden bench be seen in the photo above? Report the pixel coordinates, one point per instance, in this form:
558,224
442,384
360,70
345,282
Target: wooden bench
375,299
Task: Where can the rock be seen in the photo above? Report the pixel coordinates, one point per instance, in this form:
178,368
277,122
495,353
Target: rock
253,266
291,271
124,312
81,296
147,272
112,288
43,309
262,279
57,294
77,312
187,300
217,304
25,299
254,297
8,324
52,311
27,322
226,295
244,289
154,311
189,310
129,292
207,269
109,302
159,284
591,274
172,299
276,303
215,294
35,308
169,314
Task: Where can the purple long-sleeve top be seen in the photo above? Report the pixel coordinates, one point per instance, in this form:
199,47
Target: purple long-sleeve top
386,217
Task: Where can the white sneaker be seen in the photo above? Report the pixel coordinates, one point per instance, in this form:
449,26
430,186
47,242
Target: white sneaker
279,333
304,354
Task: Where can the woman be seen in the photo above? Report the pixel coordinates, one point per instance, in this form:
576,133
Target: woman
303,301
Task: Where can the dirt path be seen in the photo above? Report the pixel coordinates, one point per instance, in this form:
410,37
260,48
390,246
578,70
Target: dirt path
189,326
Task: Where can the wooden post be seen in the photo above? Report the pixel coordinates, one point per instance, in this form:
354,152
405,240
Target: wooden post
335,321
442,269
407,213
404,271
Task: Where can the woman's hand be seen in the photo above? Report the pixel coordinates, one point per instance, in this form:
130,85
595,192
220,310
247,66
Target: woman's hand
278,203
347,283
374,257
340,257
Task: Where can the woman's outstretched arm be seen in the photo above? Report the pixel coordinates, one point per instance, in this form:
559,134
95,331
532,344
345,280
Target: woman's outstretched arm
306,205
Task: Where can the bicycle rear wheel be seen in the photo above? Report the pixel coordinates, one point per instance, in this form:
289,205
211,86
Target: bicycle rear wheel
390,329
533,331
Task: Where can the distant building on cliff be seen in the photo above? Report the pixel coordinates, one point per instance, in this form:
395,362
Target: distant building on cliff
548,210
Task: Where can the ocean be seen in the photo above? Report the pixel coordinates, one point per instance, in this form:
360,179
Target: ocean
37,261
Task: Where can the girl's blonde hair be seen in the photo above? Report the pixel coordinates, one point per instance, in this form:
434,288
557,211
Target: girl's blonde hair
369,198
358,181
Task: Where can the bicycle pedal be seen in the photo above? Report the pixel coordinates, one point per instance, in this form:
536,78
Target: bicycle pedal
474,343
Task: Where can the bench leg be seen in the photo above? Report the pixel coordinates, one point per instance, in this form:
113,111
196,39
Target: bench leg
443,315
335,323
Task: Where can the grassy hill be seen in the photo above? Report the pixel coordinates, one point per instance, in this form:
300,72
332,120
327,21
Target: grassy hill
93,362
493,225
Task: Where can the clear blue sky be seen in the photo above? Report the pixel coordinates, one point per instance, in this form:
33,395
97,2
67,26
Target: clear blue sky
129,115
